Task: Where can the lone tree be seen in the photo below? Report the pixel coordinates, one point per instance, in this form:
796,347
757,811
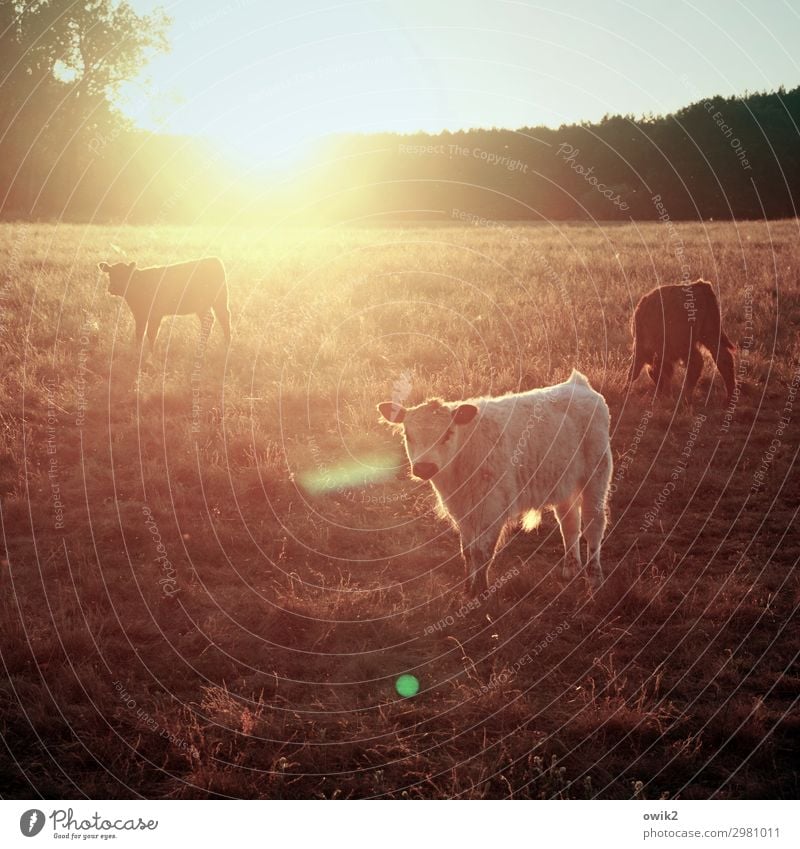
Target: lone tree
61,65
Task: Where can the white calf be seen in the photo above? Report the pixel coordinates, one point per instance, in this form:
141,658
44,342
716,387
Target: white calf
495,461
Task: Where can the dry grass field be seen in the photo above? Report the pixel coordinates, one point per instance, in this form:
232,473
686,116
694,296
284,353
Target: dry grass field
213,575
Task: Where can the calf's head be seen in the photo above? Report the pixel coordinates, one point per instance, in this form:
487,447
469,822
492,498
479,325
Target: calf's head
432,432
119,275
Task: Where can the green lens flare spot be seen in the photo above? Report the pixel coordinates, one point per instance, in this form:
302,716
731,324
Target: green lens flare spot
349,475
407,686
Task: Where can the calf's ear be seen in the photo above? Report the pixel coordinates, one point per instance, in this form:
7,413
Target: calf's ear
464,414
394,413
104,266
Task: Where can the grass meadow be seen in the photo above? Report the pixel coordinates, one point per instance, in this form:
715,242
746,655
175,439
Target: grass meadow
213,575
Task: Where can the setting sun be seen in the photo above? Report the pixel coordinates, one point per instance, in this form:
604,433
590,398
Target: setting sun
267,89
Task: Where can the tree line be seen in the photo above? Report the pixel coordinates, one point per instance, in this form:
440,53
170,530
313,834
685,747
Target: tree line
721,158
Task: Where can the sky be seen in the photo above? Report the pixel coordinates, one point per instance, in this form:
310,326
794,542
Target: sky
264,78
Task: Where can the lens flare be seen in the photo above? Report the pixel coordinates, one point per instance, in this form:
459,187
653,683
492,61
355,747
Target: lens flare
407,686
352,474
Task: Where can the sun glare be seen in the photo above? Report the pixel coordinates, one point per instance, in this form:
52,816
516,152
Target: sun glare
265,103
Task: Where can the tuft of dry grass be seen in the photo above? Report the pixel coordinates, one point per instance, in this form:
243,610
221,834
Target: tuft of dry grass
183,617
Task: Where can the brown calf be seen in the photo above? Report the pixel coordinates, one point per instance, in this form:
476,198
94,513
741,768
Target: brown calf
198,286
669,325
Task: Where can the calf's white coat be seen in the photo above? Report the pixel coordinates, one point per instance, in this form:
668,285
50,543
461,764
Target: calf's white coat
493,462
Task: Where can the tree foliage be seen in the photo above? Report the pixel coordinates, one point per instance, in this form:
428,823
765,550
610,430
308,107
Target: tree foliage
61,63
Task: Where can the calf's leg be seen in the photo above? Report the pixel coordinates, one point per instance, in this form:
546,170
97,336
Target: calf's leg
478,546
224,318
141,326
595,516
206,323
661,374
723,357
569,520
694,368
638,361
152,331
